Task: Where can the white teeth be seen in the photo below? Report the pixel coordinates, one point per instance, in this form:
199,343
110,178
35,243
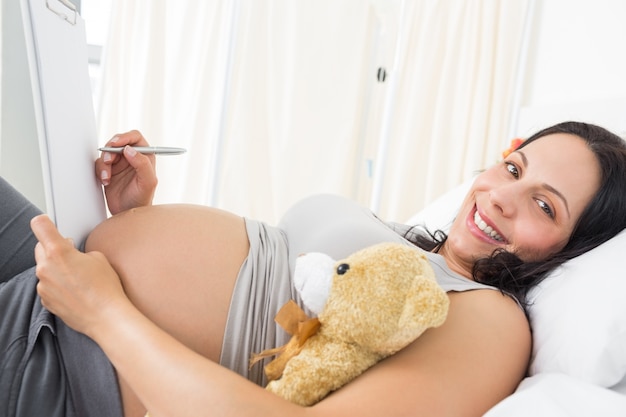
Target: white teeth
488,230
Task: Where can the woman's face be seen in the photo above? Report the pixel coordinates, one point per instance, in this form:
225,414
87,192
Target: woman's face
528,204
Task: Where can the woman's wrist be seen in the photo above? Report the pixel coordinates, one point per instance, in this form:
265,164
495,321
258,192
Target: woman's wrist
106,322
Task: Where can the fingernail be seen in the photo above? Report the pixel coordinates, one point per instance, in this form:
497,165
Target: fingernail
130,151
106,157
104,176
114,139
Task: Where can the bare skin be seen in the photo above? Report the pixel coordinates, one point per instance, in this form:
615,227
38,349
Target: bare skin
179,275
156,284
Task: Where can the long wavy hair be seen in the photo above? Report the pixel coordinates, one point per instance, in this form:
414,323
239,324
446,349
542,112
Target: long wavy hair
603,218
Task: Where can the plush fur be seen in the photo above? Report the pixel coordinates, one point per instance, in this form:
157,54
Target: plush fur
381,299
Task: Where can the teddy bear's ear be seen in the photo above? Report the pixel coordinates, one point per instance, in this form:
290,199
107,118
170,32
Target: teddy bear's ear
426,306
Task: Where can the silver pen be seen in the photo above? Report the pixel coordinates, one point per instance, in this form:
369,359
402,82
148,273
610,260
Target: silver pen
155,150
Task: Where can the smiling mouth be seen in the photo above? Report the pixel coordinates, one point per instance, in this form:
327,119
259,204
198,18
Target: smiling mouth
486,229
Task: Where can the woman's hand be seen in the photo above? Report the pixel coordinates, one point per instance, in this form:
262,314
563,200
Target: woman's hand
82,289
129,178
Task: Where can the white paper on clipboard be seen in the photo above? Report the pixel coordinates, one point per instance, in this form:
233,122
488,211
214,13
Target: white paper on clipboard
57,56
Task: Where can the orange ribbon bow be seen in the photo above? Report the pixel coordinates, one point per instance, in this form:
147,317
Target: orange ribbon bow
295,321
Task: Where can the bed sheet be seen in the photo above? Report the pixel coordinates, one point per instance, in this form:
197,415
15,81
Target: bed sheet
559,395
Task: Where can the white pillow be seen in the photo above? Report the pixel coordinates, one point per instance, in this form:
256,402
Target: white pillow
578,316
440,213
578,313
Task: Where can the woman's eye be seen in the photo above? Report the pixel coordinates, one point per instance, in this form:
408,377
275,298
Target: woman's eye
546,208
512,169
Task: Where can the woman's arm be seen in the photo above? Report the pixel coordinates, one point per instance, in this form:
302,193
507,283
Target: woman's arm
172,380
461,368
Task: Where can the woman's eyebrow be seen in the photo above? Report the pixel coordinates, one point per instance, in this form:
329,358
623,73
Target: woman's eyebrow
547,186
524,159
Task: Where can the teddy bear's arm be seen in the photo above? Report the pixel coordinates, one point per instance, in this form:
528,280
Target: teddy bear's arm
322,367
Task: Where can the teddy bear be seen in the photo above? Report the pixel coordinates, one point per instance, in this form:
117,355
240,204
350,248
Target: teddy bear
370,305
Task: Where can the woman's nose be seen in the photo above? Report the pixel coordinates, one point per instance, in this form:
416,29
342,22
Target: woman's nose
505,199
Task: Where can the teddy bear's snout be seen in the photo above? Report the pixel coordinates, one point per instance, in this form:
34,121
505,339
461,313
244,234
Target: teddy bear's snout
342,269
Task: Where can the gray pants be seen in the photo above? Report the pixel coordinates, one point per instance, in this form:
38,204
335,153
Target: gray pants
46,369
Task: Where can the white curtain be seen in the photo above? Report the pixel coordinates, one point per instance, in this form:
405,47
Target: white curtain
279,99
454,100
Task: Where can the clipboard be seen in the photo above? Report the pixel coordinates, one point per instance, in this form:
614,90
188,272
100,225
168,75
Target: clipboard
58,62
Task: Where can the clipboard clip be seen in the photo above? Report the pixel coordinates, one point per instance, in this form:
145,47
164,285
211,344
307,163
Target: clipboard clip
62,13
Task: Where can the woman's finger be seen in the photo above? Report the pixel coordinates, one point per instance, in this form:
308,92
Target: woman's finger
143,166
132,138
46,232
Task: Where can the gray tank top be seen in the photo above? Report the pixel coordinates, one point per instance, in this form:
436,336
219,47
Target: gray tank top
338,227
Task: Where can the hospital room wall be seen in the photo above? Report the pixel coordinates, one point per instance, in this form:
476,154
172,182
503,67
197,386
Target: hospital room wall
19,148
576,57
576,65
